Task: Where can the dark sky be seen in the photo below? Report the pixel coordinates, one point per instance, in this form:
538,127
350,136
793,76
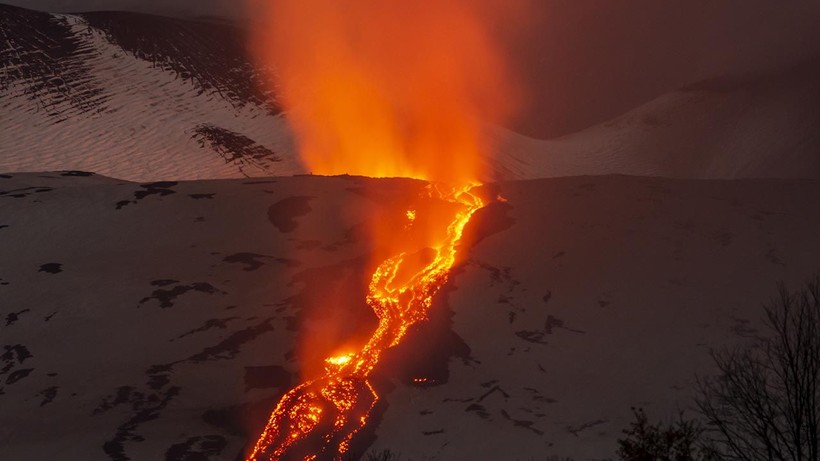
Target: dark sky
585,61
592,60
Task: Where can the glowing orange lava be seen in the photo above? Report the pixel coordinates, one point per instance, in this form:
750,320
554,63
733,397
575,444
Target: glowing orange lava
383,89
320,417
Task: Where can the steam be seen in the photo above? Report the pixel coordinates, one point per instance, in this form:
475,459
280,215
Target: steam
390,88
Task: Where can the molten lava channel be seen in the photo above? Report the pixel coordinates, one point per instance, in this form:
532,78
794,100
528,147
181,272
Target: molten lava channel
319,418
384,89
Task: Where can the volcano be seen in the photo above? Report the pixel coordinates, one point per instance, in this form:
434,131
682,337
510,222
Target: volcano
170,269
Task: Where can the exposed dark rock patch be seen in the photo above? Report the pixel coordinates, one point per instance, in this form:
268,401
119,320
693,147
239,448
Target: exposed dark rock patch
235,148
552,322
51,268
122,395
16,354
159,376
575,430
229,347
5,176
3,226
503,276
250,260
17,375
25,191
13,317
547,296
479,410
526,424
75,173
202,448
160,188
166,297
145,408
40,53
209,324
253,261
537,396
495,390
283,213
201,196
48,395
532,336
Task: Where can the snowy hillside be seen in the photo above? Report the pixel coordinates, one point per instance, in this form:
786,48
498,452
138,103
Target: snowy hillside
134,96
160,321
142,97
763,126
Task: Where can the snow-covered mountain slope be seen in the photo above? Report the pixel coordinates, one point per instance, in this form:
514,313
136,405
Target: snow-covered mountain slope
765,126
134,96
160,321
146,98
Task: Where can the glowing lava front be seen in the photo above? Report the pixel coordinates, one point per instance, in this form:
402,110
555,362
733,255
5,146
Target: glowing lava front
320,417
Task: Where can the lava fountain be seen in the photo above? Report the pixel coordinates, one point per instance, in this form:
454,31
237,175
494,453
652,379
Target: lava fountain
383,89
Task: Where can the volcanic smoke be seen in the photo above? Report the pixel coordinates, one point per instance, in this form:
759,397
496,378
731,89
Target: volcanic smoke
383,89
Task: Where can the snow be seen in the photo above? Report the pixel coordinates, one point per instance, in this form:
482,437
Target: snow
142,129
634,280
146,125
763,128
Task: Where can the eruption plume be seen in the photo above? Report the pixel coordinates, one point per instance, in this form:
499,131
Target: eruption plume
383,88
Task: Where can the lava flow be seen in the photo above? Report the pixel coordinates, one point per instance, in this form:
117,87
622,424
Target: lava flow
320,417
383,89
